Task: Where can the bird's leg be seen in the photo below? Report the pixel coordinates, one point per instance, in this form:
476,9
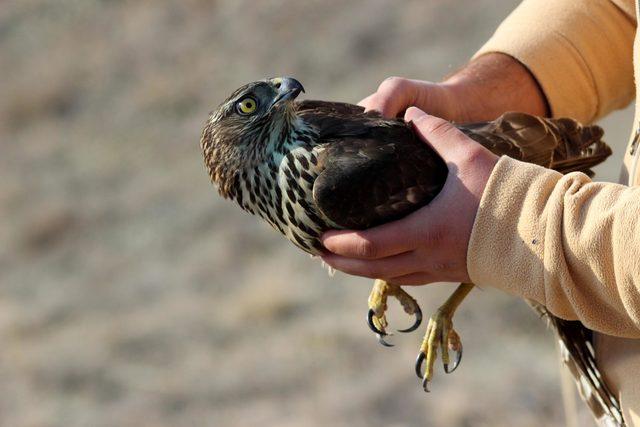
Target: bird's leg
440,333
378,306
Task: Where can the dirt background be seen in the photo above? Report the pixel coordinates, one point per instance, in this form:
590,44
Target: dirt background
132,295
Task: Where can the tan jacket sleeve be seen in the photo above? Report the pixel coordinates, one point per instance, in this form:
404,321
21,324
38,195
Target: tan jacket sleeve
580,51
563,241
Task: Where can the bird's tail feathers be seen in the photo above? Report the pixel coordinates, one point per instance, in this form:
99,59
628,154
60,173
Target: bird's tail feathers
580,147
561,144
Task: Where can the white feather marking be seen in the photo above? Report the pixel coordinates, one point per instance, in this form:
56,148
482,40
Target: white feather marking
330,270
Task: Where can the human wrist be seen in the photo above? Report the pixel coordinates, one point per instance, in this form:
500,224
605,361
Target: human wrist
493,84
444,100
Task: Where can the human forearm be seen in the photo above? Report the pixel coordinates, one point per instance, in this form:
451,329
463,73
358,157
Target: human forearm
492,85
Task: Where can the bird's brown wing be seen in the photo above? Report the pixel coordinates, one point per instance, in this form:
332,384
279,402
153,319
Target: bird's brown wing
376,170
370,181
372,170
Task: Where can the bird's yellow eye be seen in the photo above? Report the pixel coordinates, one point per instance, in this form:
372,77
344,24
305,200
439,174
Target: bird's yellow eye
247,106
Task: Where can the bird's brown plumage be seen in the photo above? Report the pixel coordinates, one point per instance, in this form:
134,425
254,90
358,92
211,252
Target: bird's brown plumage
375,170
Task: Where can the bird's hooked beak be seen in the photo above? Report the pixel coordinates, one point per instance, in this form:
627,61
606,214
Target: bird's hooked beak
288,89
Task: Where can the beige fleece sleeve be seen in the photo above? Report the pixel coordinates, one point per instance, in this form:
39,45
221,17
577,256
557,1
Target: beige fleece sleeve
580,51
563,241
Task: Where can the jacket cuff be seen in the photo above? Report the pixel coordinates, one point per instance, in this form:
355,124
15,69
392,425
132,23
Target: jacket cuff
506,248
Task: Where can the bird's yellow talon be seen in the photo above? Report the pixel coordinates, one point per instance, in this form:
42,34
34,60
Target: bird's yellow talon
376,318
374,322
436,336
440,334
454,344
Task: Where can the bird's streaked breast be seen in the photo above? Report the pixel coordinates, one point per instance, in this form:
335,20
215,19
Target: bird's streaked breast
280,189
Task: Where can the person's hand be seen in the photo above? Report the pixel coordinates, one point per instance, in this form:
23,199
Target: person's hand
396,94
429,245
483,90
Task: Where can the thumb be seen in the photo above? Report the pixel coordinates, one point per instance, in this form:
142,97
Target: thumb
440,134
394,95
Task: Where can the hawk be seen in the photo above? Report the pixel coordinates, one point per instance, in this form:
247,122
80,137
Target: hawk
309,166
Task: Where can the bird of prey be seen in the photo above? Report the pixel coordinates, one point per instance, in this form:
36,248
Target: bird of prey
309,166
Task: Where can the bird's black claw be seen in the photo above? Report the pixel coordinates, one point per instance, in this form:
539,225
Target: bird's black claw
416,324
425,385
419,360
372,325
456,364
382,341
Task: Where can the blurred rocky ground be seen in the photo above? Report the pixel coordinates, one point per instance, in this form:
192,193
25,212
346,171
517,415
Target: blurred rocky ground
132,295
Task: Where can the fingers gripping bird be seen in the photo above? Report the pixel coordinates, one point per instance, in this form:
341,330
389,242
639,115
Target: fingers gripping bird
309,166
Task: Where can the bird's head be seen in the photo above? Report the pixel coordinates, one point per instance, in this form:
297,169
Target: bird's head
247,128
